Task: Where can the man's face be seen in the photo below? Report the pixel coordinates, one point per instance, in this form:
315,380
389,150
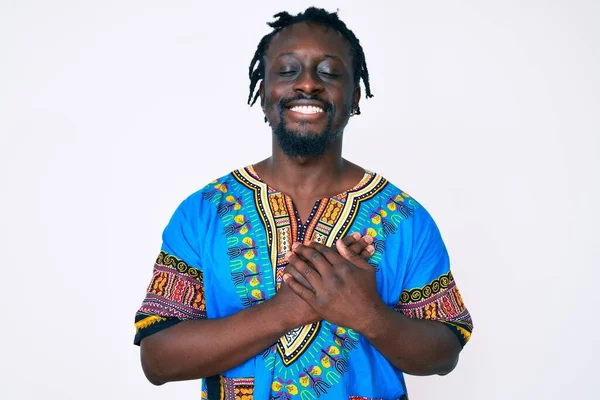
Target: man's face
308,91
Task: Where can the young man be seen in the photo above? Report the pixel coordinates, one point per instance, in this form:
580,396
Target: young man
253,289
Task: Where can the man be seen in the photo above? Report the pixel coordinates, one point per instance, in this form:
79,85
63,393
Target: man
253,290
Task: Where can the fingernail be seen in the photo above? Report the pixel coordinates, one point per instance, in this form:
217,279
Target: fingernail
288,255
368,239
371,249
286,277
295,246
356,235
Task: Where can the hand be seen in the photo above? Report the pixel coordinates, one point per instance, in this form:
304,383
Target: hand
303,313
356,244
295,311
344,284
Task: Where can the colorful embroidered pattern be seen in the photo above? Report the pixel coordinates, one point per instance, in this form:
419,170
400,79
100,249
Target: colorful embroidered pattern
244,228
148,321
250,267
176,290
313,358
424,293
439,300
383,220
237,388
293,343
280,216
283,389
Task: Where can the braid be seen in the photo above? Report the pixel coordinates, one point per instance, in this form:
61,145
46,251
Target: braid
256,71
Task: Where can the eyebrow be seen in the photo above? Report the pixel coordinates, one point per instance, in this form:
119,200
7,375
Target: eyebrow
291,53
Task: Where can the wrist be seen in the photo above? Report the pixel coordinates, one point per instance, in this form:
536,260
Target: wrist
374,324
284,319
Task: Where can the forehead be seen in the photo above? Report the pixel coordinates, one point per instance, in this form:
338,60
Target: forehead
304,37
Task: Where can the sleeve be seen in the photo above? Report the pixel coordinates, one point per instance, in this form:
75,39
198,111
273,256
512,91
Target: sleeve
429,290
176,289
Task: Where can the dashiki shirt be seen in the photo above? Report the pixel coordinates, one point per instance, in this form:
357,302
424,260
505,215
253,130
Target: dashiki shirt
223,250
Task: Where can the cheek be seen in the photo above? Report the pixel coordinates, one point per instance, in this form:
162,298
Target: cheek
344,108
270,107
270,100
266,103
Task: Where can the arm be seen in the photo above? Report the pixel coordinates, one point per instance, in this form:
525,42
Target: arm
196,349
345,293
415,346
199,348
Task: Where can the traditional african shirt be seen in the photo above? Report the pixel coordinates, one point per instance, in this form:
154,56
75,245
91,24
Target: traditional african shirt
224,250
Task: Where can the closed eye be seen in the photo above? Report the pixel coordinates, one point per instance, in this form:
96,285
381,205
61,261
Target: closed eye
329,74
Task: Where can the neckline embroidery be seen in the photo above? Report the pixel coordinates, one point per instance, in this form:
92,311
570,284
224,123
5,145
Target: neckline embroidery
328,220
361,184
298,354
301,231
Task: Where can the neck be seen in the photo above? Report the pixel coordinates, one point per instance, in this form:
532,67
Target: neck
306,177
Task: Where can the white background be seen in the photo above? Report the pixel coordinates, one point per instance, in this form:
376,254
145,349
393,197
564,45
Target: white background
112,112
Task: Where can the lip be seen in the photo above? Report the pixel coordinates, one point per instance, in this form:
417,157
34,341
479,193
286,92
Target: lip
298,116
313,103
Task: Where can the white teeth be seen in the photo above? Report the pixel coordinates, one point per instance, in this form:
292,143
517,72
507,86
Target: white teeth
307,109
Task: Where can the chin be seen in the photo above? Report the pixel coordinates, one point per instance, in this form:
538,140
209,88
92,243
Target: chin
306,133
304,129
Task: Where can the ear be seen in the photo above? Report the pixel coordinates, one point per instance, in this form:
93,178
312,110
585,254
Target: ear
356,97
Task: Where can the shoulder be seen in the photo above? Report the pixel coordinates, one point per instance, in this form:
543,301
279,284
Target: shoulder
215,188
396,197
402,208
220,194
198,201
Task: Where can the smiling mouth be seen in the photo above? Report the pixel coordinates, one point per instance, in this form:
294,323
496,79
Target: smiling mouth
307,110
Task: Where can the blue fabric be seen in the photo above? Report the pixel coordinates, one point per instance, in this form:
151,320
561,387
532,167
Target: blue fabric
236,230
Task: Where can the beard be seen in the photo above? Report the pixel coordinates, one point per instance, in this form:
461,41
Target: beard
303,142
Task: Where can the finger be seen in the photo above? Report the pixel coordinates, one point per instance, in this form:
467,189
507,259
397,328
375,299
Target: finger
290,269
351,239
330,253
310,274
299,289
368,252
360,245
319,259
350,256
300,255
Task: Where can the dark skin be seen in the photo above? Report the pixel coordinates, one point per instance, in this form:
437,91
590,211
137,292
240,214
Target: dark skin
196,349
304,59
345,293
318,279
311,59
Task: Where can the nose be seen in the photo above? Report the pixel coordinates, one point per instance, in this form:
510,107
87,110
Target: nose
308,83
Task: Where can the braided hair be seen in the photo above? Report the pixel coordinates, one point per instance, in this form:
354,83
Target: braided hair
318,16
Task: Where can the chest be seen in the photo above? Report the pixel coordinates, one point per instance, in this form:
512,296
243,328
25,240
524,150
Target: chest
254,228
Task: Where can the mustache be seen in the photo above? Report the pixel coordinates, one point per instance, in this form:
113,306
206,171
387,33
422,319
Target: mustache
284,102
